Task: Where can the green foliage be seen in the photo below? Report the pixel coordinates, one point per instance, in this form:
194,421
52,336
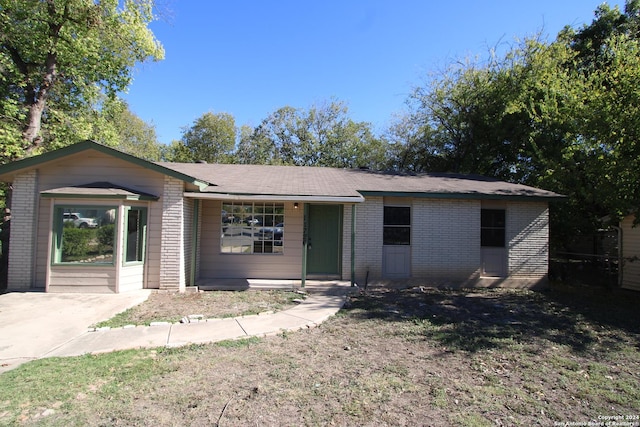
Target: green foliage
57,59
323,135
75,242
211,138
562,115
105,235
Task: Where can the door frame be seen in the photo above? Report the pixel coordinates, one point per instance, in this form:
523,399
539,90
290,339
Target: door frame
307,243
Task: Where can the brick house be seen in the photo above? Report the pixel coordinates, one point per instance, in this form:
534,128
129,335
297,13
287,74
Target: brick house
88,218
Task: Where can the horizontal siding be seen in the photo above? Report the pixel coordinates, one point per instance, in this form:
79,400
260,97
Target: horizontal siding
131,278
82,279
631,254
154,240
216,265
93,166
89,167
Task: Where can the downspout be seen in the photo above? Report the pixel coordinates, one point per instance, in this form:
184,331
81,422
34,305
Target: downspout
353,245
194,241
305,243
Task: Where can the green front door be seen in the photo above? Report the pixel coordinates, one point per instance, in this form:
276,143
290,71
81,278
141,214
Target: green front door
324,242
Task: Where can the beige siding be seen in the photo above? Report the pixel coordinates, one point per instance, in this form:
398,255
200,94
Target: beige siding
130,278
93,166
85,168
631,254
90,279
43,242
216,265
154,239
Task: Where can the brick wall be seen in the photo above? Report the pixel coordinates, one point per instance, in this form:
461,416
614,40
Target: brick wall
23,224
528,239
445,237
172,256
368,238
445,240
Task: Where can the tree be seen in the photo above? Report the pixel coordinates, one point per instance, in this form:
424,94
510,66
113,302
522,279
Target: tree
58,57
131,134
323,135
562,115
211,138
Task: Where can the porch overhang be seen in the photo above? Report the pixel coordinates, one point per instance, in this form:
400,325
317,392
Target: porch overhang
276,197
98,190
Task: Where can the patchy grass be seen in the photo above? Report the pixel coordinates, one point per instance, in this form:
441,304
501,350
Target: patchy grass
171,307
391,357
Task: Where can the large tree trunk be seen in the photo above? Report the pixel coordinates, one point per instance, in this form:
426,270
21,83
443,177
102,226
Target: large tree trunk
31,134
37,104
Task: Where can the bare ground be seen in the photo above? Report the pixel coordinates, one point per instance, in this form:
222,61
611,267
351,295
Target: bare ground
163,306
398,357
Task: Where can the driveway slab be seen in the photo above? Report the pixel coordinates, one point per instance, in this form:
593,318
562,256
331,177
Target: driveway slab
32,324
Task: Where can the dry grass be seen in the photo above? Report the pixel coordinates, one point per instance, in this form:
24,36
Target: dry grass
390,358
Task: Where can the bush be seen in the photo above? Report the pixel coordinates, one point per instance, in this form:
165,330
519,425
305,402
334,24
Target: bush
75,242
105,235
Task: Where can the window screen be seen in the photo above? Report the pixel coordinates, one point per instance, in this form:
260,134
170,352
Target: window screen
397,225
492,228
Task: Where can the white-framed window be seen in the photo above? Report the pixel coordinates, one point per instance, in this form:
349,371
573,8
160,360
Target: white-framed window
252,228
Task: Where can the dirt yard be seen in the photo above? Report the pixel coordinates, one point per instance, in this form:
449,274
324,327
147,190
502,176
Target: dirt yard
401,357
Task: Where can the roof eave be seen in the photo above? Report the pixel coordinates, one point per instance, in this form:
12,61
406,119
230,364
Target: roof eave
276,197
31,162
468,196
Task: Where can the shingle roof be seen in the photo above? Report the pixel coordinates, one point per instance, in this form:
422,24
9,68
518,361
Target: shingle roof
332,182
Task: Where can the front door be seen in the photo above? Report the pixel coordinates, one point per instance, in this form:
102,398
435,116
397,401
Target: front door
324,240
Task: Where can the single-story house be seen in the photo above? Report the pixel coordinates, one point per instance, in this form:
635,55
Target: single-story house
630,254
89,218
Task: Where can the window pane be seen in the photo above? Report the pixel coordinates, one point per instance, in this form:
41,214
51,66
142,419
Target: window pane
397,215
136,223
492,227
492,218
85,234
256,228
397,236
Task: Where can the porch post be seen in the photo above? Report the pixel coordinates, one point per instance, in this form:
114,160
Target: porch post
305,243
353,245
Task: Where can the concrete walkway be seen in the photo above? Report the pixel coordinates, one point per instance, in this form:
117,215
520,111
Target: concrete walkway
39,325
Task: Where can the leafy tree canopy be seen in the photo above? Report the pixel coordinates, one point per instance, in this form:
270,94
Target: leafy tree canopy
322,135
58,58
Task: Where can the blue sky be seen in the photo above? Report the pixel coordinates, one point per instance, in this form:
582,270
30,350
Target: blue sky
249,58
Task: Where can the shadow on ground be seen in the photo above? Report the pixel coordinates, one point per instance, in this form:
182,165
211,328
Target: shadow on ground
585,319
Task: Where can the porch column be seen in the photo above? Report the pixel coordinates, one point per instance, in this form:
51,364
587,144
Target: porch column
172,270
22,241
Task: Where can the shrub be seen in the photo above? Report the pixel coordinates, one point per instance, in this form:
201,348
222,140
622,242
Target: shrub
105,235
75,242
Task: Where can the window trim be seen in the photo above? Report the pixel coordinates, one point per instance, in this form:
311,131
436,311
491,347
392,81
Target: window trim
141,248
397,226
492,227
57,228
253,229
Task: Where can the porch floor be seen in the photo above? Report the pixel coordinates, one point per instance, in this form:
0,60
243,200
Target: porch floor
311,286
